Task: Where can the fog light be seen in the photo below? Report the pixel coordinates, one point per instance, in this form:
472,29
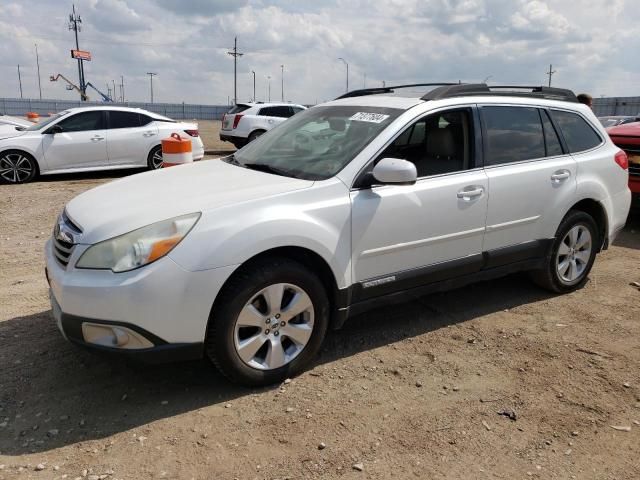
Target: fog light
113,336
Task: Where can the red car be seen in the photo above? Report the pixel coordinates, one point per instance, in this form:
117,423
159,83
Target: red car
627,137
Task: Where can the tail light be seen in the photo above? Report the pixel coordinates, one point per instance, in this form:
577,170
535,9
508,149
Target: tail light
236,120
622,160
192,133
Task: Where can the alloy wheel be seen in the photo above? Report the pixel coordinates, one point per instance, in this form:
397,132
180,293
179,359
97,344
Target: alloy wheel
274,326
156,158
574,254
15,167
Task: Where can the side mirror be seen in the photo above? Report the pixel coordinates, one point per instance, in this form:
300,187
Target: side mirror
395,171
55,129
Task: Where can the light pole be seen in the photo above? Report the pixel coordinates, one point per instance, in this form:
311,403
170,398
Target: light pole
20,80
347,65
254,85
151,75
38,65
269,87
282,86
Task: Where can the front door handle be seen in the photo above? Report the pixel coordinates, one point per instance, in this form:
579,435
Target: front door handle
560,176
97,138
470,193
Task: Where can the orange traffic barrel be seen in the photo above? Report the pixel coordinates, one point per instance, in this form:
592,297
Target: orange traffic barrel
33,116
176,151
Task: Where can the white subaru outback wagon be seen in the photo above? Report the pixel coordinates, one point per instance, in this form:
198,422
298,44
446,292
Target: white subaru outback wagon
250,259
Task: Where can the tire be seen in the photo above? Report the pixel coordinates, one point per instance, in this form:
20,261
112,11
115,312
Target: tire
572,254
154,159
255,135
255,353
17,167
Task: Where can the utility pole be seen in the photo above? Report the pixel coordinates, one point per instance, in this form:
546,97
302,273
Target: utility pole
345,62
122,88
235,54
269,81
114,98
550,73
20,80
38,64
282,86
254,85
74,24
151,75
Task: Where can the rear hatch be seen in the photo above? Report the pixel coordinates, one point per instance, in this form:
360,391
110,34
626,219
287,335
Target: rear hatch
229,121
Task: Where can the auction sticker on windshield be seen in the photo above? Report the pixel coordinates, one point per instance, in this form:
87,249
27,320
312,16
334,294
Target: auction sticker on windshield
369,117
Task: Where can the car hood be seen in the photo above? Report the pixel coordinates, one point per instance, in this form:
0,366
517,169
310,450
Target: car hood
124,205
9,131
626,130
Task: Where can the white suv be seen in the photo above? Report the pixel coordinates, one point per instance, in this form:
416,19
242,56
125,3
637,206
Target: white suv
354,203
247,121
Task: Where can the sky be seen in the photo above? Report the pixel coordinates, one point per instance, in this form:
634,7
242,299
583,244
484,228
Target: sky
592,45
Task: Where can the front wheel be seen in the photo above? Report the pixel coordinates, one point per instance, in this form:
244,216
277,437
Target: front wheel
17,167
572,254
268,323
154,161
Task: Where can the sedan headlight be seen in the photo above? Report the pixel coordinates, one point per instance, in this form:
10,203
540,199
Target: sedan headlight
139,247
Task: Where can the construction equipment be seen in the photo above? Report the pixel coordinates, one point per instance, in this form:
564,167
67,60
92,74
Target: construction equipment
72,86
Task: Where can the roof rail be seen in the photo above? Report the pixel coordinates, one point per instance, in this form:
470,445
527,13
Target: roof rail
460,90
378,90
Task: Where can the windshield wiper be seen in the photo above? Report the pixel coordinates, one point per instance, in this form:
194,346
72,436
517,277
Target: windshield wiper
232,159
263,167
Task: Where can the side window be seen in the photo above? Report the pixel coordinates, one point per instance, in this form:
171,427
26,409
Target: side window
145,119
296,110
578,134
282,112
120,119
551,141
267,112
83,121
437,144
513,134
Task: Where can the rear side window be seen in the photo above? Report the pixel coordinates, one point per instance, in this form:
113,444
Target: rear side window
146,119
120,119
239,108
513,134
282,112
578,134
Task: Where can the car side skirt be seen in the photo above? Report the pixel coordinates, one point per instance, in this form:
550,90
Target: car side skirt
405,285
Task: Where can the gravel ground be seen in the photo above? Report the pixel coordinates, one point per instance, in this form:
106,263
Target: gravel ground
495,380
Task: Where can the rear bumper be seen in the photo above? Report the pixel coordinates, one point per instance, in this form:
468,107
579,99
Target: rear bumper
232,138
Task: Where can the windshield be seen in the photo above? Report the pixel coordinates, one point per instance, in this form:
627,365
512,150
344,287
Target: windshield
317,143
44,123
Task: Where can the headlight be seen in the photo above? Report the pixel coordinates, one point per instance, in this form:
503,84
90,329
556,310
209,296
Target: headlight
140,247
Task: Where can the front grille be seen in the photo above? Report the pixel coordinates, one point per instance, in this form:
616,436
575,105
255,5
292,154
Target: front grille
64,229
633,152
635,171
62,251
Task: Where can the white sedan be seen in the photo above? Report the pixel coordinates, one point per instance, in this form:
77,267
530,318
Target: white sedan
91,138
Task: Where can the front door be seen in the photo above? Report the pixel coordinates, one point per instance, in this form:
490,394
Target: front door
80,144
409,235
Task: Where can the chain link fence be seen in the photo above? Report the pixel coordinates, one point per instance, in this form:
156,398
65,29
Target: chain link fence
616,106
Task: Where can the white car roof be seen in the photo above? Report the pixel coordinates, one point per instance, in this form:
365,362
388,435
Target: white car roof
123,109
271,104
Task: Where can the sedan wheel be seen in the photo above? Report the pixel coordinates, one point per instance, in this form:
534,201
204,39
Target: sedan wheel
155,159
274,326
16,167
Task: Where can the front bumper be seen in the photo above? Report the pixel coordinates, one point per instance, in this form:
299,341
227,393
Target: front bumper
165,306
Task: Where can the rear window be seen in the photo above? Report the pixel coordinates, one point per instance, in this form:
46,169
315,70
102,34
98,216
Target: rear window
240,107
578,134
122,119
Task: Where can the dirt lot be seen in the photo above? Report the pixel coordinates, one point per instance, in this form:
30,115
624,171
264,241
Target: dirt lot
411,391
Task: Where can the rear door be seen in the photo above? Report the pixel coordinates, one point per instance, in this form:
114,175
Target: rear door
130,137
81,144
269,117
531,178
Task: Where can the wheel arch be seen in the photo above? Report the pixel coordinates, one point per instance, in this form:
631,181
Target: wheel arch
599,214
310,259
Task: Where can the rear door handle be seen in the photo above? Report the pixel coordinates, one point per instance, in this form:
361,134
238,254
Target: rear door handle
560,176
148,134
97,138
470,193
